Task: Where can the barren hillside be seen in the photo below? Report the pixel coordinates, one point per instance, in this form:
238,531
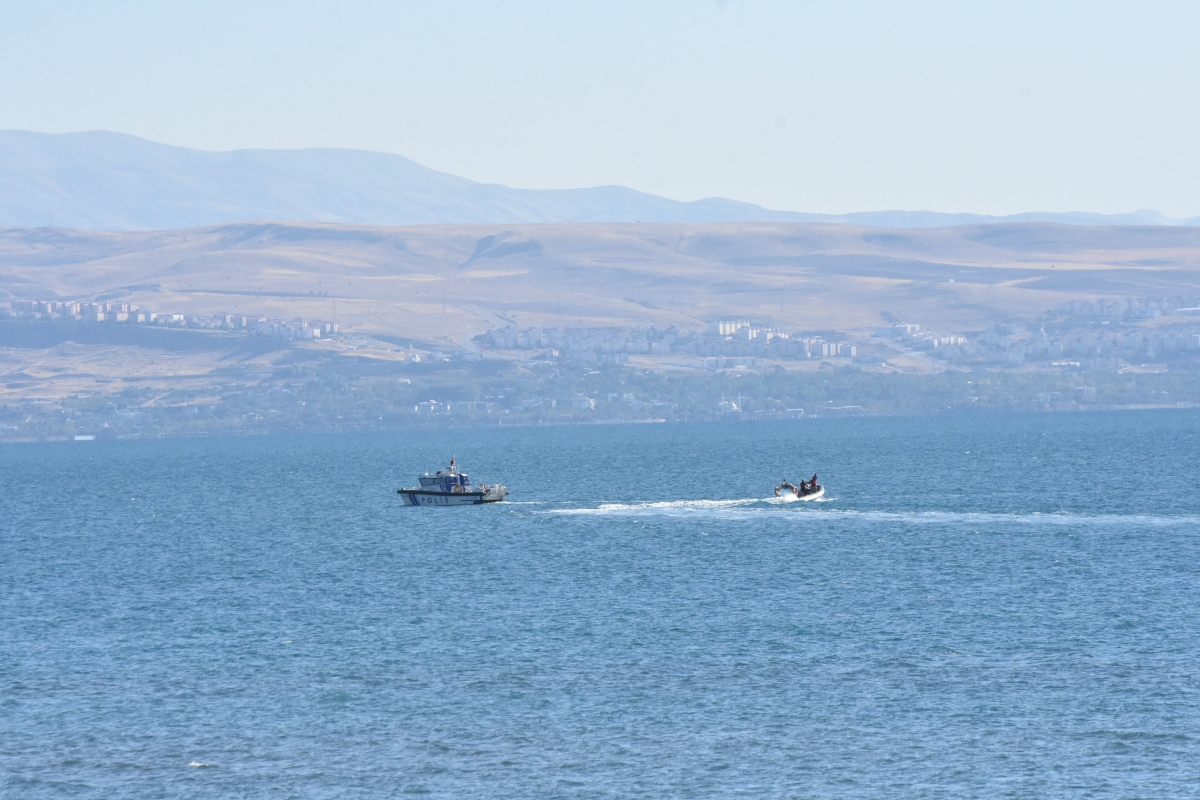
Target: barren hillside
453,281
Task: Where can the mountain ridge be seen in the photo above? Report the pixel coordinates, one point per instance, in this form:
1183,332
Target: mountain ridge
100,180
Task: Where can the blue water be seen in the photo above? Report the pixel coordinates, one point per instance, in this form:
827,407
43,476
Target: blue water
1000,606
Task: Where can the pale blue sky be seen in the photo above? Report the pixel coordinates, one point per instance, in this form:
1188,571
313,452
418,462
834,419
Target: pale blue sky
823,107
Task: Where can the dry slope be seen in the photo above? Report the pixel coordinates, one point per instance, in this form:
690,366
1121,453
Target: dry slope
453,281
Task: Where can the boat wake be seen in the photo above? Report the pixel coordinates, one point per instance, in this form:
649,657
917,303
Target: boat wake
748,507
790,508
791,498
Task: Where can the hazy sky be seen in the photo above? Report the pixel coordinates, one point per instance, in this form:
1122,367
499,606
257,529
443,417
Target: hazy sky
824,107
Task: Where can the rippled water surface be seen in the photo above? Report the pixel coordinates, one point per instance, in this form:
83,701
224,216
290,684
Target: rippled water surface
1002,606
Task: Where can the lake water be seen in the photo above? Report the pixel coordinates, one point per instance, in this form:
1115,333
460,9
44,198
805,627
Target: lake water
995,606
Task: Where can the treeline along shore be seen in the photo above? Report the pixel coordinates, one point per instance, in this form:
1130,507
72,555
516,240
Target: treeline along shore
303,391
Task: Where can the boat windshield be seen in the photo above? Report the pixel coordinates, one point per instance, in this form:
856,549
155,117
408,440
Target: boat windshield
446,482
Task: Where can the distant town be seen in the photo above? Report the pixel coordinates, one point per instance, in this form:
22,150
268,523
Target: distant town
1086,335
131,314
1110,334
1082,335
720,341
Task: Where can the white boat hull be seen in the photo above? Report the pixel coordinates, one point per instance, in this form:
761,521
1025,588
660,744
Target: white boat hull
423,497
789,497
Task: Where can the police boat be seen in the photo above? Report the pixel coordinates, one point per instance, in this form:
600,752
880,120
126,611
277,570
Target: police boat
449,487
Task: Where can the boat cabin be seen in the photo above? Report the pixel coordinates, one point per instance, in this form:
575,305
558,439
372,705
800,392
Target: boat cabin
446,482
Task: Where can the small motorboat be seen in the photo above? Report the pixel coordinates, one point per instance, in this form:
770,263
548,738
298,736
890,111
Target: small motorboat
807,490
449,487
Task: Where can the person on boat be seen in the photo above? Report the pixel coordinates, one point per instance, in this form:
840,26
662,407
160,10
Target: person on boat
812,485
803,486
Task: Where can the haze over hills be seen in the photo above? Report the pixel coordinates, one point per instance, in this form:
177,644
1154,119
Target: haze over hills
110,181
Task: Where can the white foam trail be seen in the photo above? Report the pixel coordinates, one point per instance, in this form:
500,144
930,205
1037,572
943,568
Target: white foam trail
679,507
665,505
783,509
